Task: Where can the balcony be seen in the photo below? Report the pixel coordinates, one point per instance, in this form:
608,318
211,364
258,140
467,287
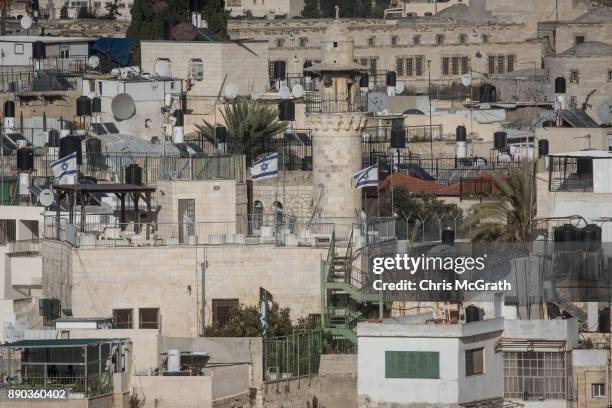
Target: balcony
318,102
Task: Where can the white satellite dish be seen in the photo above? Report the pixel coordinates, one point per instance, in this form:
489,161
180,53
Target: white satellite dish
231,91
284,92
123,106
25,22
466,80
46,197
163,68
604,112
399,87
297,91
93,61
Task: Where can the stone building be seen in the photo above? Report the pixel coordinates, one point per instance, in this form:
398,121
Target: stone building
265,8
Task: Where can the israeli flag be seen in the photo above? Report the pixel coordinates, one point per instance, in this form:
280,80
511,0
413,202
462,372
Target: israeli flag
263,311
265,168
367,177
65,168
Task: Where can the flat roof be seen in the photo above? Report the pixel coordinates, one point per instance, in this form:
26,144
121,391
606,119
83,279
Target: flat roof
45,39
105,188
56,343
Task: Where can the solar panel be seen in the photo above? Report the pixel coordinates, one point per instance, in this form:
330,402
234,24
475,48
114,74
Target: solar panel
209,35
111,128
98,129
304,138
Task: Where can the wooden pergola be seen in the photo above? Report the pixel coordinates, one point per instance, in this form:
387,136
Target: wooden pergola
82,193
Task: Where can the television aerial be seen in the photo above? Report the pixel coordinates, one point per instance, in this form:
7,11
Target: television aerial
284,92
466,80
25,22
46,197
297,91
123,106
399,88
93,61
231,91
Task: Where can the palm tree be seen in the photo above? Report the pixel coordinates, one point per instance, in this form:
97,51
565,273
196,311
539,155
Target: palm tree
5,6
250,126
510,217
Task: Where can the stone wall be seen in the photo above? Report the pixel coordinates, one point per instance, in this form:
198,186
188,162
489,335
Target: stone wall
293,189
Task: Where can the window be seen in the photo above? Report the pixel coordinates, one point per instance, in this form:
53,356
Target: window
123,319
445,65
491,66
465,65
196,69
416,40
462,38
474,362
573,102
399,66
455,65
412,364
280,43
371,41
501,64
222,309
18,48
510,63
394,40
409,66
373,66
579,39
598,390
484,38
534,375
610,75
303,42
148,318
419,62
186,219
574,76
439,39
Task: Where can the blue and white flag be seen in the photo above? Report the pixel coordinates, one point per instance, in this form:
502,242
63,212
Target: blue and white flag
367,177
263,311
64,168
265,168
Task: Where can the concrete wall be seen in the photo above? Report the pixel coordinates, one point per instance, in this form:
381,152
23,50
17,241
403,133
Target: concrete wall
590,367
174,392
294,193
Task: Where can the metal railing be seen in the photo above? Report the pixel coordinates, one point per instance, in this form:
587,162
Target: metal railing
319,102
88,387
294,356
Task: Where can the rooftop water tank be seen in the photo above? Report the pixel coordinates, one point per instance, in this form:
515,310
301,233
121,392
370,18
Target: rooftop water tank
286,111
69,145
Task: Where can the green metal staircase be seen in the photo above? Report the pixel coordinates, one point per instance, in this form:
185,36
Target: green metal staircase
345,295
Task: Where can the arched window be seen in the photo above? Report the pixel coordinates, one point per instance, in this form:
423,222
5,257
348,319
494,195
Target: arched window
258,211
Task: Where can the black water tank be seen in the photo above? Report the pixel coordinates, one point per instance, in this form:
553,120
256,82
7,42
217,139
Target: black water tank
566,233
83,106
35,5
93,147
591,236
25,159
69,145
499,140
286,111
133,174
307,64
168,26
461,134
604,320
473,314
195,6
39,51
96,104
221,134
9,109
543,147
364,81
584,167
279,69
448,237
180,118
560,85
488,93
398,138
391,78
54,138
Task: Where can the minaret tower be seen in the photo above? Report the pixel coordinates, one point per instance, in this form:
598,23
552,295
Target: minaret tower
336,113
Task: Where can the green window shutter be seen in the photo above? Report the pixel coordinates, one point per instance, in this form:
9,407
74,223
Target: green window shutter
412,364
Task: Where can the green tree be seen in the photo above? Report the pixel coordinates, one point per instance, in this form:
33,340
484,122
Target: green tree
250,125
244,322
64,12
112,10
85,14
216,16
510,217
311,9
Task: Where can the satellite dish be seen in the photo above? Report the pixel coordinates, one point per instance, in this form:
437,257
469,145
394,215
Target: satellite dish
46,197
123,106
184,32
297,91
399,87
327,80
25,22
466,80
231,90
93,61
162,68
284,92
604,112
